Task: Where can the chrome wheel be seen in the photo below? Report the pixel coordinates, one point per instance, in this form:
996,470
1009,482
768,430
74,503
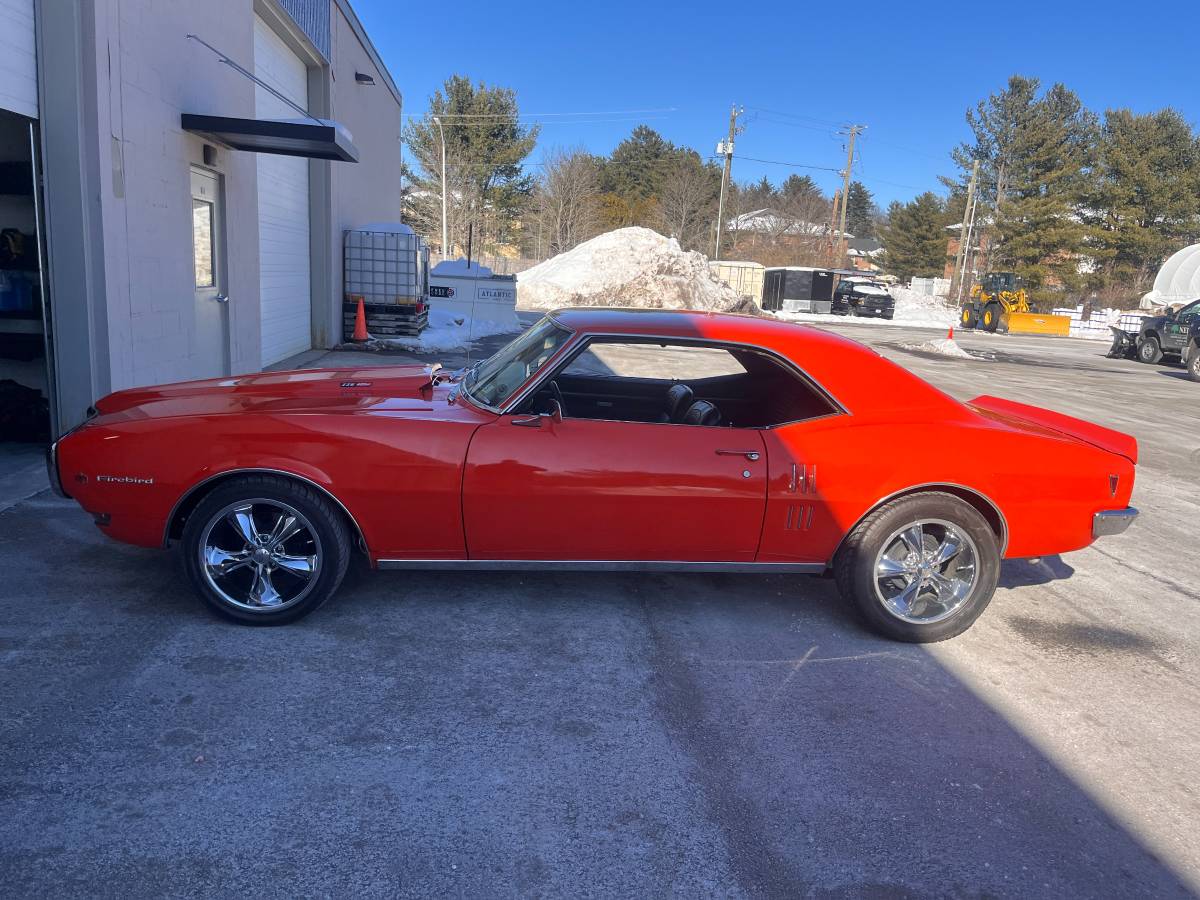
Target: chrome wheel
926,571
260,555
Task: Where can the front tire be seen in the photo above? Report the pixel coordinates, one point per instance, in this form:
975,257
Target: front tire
1149,351
265,550
967,317
990,320
1193,366
921,568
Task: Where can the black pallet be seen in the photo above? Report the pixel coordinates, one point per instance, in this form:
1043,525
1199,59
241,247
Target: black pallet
386,319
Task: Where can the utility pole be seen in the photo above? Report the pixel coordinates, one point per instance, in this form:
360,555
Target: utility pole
963,237
725,148
970,240
833,220
854,130
445,239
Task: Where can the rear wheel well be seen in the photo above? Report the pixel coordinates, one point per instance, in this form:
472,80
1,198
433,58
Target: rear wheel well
196,494
982,505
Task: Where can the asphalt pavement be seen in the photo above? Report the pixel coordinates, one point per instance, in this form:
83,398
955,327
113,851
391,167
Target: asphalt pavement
558,734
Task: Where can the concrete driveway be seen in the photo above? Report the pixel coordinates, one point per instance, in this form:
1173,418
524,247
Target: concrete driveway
622,735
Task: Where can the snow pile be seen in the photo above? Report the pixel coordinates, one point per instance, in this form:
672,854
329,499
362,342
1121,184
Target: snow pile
446,331
943,347
631,267
922,309
461,266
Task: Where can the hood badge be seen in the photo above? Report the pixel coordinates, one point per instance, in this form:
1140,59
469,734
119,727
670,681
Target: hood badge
356,384
123,479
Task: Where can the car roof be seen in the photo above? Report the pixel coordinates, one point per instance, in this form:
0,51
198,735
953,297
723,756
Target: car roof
856,376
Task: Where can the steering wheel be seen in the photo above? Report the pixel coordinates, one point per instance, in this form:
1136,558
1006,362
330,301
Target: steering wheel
558,395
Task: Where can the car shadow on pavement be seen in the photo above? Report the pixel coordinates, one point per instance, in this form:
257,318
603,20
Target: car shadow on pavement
1016,573
489,735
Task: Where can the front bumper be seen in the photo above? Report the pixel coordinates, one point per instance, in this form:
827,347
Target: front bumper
52,471
1112,521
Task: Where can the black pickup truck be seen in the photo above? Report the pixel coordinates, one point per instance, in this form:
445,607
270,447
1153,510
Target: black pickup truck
1167,336
1191,350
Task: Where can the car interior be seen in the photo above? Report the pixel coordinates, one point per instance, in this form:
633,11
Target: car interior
680,384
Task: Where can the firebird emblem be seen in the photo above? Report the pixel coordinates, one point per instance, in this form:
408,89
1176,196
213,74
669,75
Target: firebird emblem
124,479
354,384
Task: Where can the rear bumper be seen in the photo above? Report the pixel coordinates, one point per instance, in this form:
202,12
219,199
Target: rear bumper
1112,521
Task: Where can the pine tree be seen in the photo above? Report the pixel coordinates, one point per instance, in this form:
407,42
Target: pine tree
914,238
1035,152
861,211
1144,202
485,149
641,170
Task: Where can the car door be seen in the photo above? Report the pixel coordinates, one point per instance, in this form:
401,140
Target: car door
543,487
1176,328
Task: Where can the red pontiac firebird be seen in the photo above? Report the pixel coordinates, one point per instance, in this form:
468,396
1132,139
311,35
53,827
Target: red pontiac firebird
603,439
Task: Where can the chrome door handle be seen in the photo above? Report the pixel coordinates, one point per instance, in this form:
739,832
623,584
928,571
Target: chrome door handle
749,454
222,298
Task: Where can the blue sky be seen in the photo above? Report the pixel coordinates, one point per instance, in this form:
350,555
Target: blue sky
906,70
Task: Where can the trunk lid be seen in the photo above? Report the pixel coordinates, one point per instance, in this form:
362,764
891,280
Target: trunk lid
1045,421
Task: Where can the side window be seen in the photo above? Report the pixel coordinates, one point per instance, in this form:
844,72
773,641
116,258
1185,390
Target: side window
681,384
677,362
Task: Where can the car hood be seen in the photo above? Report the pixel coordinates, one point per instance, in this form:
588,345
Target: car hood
306,390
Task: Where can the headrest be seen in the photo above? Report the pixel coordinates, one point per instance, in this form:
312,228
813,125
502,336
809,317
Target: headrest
702,413
679,398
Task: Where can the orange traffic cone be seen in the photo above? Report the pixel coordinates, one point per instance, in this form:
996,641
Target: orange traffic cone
360,324
951,334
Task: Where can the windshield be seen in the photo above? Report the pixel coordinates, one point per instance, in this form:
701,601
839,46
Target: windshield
494,380
877,290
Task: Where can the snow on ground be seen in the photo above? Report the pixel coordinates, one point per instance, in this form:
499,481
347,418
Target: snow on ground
630,267
461,266
942,347
446,331
913,310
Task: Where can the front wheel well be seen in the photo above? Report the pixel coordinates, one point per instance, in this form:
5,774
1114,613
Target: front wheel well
191,499
983,505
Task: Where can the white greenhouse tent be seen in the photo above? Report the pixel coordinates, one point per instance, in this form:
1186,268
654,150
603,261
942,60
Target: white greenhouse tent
1178,280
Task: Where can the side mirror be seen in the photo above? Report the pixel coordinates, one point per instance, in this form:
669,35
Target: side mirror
534,420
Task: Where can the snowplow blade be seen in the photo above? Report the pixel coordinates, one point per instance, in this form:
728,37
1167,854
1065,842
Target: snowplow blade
1035,323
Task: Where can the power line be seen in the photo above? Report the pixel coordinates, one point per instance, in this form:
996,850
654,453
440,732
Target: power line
799,116
610,112
791,165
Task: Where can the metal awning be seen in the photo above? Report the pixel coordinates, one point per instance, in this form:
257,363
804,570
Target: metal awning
315,138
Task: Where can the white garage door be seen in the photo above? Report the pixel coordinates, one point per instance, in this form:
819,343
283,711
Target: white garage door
284,282
18,58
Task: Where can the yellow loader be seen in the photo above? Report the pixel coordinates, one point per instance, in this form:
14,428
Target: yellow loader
999,302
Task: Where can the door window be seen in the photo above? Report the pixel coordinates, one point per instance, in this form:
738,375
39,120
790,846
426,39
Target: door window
679,384
202,242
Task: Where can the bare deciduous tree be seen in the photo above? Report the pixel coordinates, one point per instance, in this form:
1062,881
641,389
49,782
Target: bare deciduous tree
687,202
566,200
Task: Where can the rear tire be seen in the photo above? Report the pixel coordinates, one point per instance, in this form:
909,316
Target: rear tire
967,318
1193,365
920,599
265,550
1149,351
